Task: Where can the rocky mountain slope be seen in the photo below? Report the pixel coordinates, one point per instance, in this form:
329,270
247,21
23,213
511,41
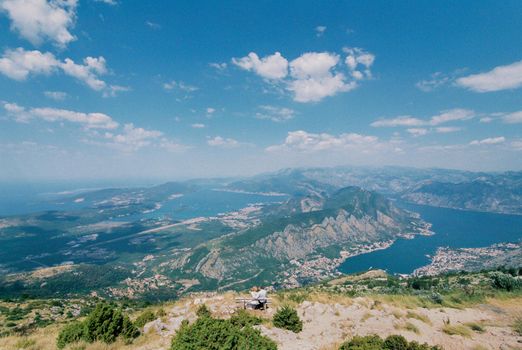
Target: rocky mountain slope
303,245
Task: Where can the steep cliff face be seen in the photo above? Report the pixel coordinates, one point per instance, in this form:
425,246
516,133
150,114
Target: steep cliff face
296,242
349,218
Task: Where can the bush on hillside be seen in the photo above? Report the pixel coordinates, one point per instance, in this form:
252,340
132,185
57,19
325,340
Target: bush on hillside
393,342
504,281
216,334
369,342
203,311
242,318
144,318
72,333
287,318
105,323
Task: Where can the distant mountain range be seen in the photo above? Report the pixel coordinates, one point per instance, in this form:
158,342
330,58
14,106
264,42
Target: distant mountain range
492,192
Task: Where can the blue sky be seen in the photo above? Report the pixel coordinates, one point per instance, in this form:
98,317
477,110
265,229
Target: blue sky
127,89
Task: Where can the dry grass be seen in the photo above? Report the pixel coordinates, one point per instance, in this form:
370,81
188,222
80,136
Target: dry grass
402,301
480,347
408,326
397,314
366,316
45,339
475,326
461,330
417,316
517,325
326,298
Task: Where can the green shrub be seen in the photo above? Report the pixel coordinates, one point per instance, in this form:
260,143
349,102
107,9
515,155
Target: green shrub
369,342
215,334
71,333
287,318
504,281
396,342
105,323
393,342
203,311
144,318
242,318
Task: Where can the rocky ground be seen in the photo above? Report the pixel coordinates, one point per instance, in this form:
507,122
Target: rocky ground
330,316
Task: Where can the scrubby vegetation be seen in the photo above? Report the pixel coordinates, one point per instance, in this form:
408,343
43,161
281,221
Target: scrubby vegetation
211,333
457,330
517,325
501,280
243,318
144,318
287,318
456,290
393,342
106,323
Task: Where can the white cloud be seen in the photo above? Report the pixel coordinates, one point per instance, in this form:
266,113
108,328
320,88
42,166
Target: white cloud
276,114
309,142
132,138
359,62
452,115
56,95
313,75
489,141
486,120
447,129
513,118
270,67
179,85
113,90
405,120
499,78
88,120
417,131
88,72
40,20
219,141
457,114
314,90
219,66
108,2
99,128
314,79
210,110
319,30
19,64
436,80
198,125
153,25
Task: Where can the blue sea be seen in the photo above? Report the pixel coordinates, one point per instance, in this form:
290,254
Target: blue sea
29,197
16,199
453,228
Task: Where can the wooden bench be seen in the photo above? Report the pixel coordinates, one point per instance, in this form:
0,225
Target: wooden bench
246,301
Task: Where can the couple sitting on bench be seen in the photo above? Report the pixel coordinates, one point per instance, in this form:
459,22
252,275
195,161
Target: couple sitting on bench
259,298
